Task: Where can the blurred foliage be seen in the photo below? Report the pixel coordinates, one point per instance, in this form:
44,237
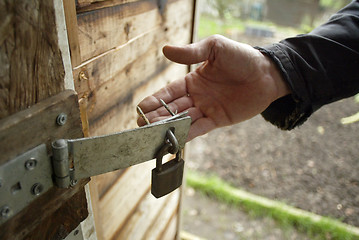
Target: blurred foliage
353,118
334,4
209,26
222,7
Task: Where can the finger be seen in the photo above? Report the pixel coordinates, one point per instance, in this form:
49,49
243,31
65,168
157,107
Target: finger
193,112
172,91
179,105
189,54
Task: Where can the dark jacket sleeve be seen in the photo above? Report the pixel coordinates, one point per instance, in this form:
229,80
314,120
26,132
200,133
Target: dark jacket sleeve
319,67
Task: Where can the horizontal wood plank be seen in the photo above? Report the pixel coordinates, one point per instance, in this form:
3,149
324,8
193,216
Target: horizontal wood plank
91,5
124,117
105,181
105,29
162,222
145,216
171,230
121,200
25,130
112,78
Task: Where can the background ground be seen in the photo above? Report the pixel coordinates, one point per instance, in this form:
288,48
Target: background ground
314,167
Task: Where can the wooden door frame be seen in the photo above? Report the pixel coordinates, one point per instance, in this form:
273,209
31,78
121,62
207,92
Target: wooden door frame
66,23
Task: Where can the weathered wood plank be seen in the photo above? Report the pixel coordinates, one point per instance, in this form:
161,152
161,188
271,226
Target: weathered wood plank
105,29
31,67
111,79
145,216
171,230
67,217
103,68
46,217
105,181
25,130
121,67
96,207
162,221
72,31
123,197
91,5
124,116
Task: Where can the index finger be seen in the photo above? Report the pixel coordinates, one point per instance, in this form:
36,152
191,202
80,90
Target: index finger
169,93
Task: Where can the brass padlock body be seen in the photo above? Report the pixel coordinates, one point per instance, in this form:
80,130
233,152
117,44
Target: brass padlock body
168,179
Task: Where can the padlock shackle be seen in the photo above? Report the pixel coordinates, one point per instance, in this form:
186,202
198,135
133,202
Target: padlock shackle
171,146
163,151
173,141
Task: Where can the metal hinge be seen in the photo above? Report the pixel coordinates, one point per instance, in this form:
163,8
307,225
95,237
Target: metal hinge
29,175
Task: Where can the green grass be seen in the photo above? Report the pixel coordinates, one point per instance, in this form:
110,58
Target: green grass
317,227
208,25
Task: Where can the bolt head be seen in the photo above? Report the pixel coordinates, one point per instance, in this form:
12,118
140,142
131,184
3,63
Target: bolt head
61,119
5,212
73,182
37,189
30,164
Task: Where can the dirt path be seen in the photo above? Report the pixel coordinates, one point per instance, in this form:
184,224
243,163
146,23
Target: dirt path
314,167
212,220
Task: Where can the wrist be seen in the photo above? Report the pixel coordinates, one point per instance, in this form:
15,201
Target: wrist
281,86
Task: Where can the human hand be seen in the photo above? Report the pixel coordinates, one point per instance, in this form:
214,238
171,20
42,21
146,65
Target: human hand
234,83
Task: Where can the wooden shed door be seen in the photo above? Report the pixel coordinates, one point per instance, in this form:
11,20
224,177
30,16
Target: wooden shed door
34,76
116,53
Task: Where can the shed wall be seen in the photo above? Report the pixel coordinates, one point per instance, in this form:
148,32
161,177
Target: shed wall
117,61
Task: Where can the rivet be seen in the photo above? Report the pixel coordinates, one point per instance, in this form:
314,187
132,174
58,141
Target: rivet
30,164
36,189
61,119
5,211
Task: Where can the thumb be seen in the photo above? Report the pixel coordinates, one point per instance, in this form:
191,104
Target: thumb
189,54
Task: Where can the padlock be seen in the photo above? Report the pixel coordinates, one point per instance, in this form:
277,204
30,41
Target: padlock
167,177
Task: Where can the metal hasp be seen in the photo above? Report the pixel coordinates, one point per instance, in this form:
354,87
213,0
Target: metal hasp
31,174
97,155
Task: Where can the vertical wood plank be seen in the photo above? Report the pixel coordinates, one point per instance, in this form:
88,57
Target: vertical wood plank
31,67
72,31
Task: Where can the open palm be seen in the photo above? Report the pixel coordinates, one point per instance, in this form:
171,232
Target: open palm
234,83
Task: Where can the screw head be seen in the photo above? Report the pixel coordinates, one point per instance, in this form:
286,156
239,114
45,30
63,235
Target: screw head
5,212
37,189
73,182
61,119
31,164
